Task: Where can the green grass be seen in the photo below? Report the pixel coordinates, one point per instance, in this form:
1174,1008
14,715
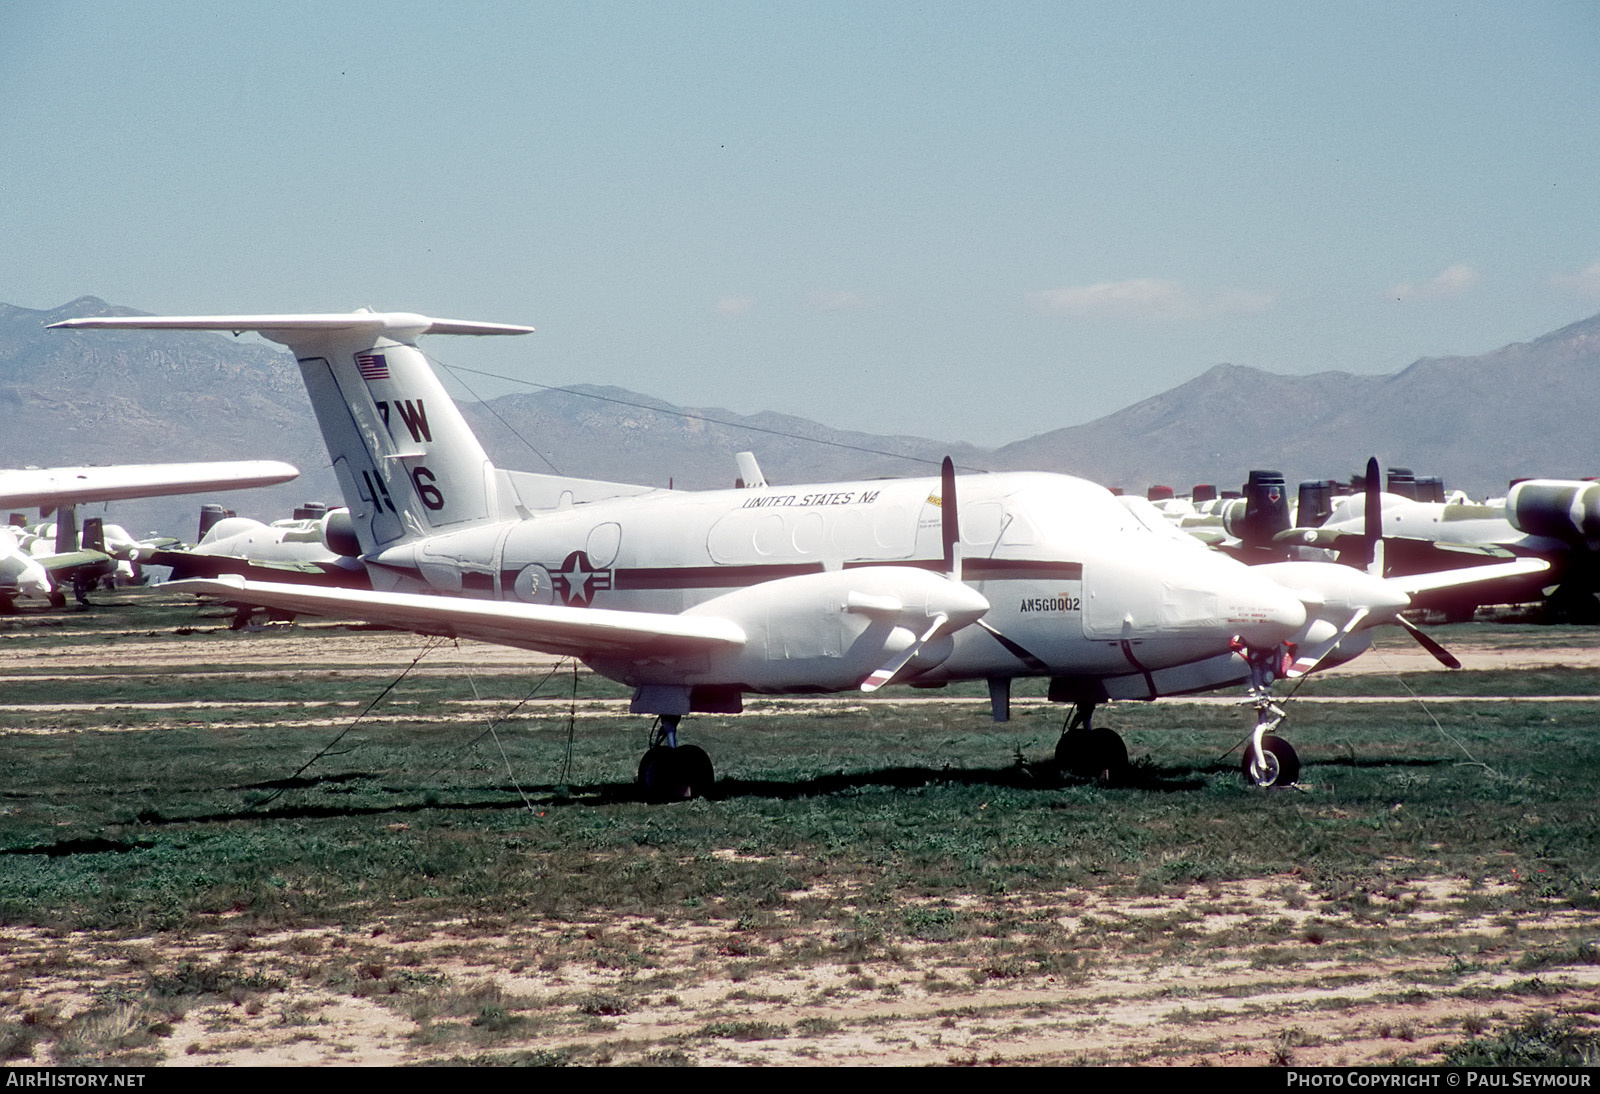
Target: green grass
148,828
1538,1041
169,818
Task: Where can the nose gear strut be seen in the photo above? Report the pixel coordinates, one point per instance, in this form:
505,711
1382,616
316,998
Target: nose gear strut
1269,760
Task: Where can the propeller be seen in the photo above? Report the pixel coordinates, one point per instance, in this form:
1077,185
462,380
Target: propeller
886,673
1385,603
962,609
950,536
1372,598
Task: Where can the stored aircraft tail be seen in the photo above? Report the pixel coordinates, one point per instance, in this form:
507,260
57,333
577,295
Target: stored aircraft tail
406,460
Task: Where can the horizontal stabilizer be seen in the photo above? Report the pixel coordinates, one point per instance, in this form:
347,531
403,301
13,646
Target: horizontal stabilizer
399,325
567,632
365,322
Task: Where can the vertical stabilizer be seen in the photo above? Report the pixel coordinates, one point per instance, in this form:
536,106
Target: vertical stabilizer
407,462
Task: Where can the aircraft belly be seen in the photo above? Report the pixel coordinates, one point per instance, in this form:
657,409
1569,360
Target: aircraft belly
1221,670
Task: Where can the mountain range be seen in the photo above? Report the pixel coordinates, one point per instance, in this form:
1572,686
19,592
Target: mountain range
70,397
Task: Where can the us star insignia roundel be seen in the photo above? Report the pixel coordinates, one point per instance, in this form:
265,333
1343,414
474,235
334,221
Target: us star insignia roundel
577,581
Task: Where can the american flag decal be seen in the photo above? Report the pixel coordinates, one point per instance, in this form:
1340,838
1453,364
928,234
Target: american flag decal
372,366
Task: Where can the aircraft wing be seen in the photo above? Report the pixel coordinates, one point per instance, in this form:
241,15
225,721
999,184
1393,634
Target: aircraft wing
72,560
55,486
1412,584
548,628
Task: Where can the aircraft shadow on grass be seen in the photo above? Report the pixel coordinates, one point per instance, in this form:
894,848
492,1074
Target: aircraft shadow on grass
1144,776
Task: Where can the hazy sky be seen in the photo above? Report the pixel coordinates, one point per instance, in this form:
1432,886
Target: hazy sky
980,221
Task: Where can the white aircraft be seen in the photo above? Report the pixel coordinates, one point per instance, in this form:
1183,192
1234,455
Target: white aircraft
23,574
694,599
295,549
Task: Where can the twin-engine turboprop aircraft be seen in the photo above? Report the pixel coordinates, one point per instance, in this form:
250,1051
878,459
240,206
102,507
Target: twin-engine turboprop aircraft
694,599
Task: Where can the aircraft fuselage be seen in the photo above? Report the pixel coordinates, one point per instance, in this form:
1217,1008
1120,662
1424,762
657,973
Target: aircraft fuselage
1106,604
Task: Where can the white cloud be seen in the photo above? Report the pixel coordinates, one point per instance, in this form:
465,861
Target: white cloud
734,305
1145,298
839,301
1584,284
1448,283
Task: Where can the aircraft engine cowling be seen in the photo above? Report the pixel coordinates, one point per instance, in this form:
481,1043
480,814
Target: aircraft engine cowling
1233,522
339,533
830,631
1262,513
1563,509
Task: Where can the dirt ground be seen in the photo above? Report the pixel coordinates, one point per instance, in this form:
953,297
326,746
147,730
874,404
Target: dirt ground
1224,1007
391,993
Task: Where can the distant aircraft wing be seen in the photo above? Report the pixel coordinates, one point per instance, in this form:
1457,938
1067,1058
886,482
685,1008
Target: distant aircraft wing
73,560
548,628
55,486
1340,539
194,564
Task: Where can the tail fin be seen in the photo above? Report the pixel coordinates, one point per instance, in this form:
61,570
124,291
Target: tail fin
406,460
67,530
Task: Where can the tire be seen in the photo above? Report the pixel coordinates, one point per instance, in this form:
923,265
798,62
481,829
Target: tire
675,774
1281,764
647,764
1093,754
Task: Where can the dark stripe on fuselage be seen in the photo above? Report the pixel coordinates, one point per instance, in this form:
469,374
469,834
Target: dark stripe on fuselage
1019,569
738,577
642,578
707,577
992,569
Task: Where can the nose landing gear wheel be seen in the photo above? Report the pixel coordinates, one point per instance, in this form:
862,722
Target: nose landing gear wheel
1278,766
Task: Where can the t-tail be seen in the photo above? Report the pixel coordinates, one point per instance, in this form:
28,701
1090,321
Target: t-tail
407,463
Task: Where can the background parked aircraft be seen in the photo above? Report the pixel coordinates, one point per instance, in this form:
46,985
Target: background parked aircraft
295,549
22,574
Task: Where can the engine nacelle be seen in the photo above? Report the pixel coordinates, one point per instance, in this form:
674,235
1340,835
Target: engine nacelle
1262,513
339,533
1564,509
830,631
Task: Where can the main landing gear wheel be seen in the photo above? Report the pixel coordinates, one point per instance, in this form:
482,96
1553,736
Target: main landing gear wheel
1279,765
1091,753
675,774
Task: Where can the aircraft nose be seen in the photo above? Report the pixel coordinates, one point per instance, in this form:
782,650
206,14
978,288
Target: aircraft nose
1264,612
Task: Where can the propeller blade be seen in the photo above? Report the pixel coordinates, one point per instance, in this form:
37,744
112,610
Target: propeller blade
1372,529
1440,654
1015,649
949,520
885,675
